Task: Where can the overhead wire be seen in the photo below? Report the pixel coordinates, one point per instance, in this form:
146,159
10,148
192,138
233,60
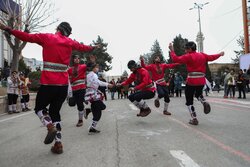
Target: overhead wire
229,12
231,40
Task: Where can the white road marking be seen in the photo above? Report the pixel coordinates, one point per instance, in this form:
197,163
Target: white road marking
184,159
17,116
133,107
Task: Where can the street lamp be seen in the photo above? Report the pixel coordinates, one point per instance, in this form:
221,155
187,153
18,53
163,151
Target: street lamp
200,38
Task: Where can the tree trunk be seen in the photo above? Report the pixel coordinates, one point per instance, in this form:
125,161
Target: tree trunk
15,60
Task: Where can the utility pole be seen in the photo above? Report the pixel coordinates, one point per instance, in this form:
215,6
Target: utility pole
200,37
245,25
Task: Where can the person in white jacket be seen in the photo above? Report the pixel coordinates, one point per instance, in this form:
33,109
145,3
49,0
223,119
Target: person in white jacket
94,96
12,92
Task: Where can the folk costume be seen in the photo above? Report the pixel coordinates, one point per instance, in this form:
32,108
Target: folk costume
57,49
157,70
94,96
12,92
144,88
24,92
77,77
196,67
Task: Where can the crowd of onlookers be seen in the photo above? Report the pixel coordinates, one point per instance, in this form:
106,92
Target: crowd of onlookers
233,81
17,86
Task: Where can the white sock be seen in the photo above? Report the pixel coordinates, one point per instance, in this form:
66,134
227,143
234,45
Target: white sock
94,123
192,111
44,119
26,105
58,136
136,103
166,106
10,108
23,105
80,114
40,114
202,100
142,104
13,107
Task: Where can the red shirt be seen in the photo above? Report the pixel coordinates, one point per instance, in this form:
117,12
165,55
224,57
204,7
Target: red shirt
158,71
56,49
195,62
143,78
78,82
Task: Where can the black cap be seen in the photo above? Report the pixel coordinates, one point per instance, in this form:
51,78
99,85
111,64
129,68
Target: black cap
64,28
132,64
190,45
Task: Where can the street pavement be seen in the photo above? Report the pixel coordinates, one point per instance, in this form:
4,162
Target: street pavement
222,138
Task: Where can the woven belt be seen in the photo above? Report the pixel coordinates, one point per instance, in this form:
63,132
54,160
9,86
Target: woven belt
54,67
149,86
78,82
196,75
160,80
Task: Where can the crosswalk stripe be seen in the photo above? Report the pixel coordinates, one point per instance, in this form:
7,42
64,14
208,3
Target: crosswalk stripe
184,159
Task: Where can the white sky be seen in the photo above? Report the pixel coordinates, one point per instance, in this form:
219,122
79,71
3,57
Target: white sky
130,27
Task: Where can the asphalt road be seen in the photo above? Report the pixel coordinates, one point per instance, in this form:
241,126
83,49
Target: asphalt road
222,139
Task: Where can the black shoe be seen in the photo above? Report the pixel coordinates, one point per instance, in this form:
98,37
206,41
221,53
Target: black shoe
145,112
194,121
79,123
166,112
140,113
27,109
157,103
10,112
15,112
86,112
93,131
207,107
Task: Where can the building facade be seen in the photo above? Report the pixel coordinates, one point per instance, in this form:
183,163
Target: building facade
215,67
6,53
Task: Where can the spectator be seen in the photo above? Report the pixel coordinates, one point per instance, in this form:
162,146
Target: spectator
178,80
217,83
225,76
247,78
113,89
12,92
231,84
241,80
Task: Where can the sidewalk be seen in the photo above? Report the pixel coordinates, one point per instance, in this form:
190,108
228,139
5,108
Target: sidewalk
221,95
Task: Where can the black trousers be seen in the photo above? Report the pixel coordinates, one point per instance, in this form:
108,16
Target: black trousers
79,98
97,107
138,96
191,91
12,99
25,98
163,92
54,96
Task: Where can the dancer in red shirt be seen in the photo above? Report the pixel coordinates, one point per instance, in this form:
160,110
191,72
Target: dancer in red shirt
157,70
57,49
144,88
77,77
196,67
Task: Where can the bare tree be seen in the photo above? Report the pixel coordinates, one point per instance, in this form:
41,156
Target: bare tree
25,15
240,43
